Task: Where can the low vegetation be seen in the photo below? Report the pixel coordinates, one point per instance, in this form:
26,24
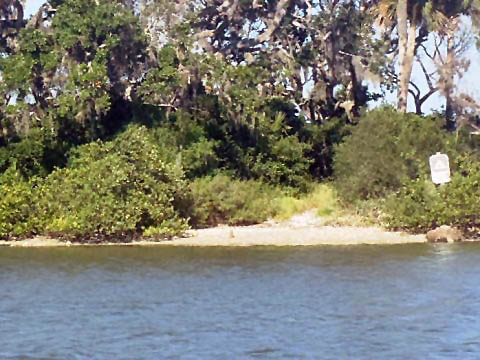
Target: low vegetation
386,150
383,166
222,200
115,189
420,205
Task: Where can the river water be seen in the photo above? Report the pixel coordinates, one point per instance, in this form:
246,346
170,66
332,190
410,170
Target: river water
363,302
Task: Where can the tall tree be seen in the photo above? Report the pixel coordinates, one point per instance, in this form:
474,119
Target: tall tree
408,18
11,22
326,46
406,40
447,23
71,68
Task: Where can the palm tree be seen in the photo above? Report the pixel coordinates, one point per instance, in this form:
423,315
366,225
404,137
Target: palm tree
409,17
405,15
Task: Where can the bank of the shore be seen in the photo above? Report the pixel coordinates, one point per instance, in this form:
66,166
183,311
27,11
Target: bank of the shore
306,229
258,235
290,236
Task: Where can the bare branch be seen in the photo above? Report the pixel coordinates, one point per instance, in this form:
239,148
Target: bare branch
417,89
427,95
426,73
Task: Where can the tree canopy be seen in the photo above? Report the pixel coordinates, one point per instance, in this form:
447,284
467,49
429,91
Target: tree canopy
248,73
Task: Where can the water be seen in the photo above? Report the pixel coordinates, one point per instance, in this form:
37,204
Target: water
367,302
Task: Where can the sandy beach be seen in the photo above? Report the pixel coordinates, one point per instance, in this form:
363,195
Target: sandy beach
289,236
305,229
302,230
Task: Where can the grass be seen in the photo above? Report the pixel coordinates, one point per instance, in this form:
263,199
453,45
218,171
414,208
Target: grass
323,199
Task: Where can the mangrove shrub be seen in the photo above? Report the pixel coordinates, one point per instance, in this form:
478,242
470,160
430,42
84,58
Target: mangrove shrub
223,200
420,205
117,189
386,150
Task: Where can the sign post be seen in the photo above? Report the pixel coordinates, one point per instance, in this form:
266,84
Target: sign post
440,168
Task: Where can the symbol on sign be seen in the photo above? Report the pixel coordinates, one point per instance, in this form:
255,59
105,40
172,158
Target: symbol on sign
440,168
439,165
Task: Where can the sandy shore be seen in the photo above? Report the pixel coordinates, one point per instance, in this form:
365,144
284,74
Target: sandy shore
305,229
291,236
256,236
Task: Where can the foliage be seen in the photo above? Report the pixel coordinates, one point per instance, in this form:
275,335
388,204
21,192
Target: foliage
322,197
329,43
323,139
186,142
15,203
385,151
73,75
420,205
261,91
11,13
116,187
223,200
277,148
35,154
119,188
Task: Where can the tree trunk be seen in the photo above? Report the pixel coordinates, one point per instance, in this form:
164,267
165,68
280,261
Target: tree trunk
355,91
450,74
406,42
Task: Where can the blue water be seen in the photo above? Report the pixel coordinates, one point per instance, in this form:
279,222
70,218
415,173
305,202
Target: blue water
364,302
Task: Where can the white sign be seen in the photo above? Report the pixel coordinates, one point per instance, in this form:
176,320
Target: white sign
440,168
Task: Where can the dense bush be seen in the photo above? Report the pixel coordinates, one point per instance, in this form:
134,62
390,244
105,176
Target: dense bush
184,141
323,139
222,200
386,150
15,203
118,187
114,189
420,205
37,153
277,150
284,164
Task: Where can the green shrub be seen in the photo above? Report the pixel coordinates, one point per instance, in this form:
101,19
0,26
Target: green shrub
276,149
15,203
118,188
386,150
222,200
420,205
195,153
35,154
284,164
324,138
323,198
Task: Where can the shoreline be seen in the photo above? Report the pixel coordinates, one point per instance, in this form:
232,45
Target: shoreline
254,235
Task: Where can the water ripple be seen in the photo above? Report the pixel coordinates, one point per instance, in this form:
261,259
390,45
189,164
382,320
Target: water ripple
367,302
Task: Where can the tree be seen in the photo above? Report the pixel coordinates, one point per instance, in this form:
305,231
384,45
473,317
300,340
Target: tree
448,25
326,46
11,22
407,16
440,69
72,69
